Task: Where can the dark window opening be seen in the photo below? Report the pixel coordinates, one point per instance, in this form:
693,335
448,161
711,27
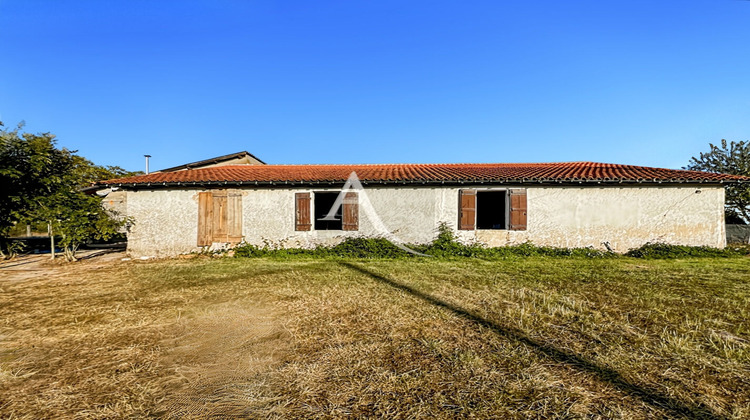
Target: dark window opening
323,203
491,210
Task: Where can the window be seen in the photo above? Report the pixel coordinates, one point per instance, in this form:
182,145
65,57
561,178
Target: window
346,217
492,209
323,203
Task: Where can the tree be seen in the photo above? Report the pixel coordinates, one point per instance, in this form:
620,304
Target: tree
77,218
41,182
731,158
30,167
89,173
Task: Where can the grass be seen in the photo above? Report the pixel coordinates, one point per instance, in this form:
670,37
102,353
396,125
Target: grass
443,338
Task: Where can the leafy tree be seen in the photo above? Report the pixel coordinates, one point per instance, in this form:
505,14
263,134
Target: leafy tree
30,166
77,218
39,182
89,173
731,158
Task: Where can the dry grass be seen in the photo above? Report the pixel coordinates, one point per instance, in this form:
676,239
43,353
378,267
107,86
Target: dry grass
534,337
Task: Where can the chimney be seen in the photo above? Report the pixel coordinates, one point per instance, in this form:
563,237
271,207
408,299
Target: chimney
147,156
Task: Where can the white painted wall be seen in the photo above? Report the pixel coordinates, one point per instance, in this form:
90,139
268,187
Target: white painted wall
626,217
166,222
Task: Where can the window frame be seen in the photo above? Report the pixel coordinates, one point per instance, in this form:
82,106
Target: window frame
467,205
314,210
506,209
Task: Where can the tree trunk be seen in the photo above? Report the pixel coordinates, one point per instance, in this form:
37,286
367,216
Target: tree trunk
70,252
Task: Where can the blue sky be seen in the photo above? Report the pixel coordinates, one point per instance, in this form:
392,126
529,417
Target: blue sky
636,82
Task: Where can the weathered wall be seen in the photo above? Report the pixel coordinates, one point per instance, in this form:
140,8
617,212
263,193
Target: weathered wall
626,217
116,202
166,222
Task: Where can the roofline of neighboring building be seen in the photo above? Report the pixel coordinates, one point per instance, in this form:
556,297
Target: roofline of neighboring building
217,159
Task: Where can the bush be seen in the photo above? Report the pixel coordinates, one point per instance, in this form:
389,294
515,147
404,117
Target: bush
246,250
445,245
357,247
667,251
367,248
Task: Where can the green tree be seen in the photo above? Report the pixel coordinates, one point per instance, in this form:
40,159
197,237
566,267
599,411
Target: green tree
89,173
731,158
30,166
77,218
40,182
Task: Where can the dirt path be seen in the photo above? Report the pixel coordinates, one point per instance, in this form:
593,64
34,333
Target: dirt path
106,338
30,266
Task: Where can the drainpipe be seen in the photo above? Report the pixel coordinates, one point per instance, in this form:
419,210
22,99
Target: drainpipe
147,156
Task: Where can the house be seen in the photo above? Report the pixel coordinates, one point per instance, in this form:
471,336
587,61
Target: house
571,204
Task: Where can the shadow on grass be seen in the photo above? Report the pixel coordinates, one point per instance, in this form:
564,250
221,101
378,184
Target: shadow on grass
27,260
186,279
610,376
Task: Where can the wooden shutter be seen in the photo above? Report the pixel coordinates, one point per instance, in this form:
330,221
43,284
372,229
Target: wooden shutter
467,212
350,211
219,216
517,209
205,219
234,217
302,211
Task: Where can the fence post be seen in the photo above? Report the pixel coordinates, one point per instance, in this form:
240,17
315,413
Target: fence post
51,240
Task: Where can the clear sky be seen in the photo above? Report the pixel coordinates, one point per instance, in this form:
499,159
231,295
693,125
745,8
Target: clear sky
379,81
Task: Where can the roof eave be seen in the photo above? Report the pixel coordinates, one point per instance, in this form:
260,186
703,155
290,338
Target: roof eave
452,182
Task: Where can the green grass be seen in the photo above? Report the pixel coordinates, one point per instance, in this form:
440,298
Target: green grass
403,338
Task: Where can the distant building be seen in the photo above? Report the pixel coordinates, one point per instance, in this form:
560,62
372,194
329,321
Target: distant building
116,200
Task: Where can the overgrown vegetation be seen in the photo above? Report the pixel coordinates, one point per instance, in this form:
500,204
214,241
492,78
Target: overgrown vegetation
446,245
532,337
667,251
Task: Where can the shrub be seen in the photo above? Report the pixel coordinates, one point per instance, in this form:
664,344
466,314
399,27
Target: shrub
446,245
367,248
667,251
246,250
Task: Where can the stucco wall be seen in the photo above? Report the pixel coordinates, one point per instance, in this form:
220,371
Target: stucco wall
166,222
626,217
115,201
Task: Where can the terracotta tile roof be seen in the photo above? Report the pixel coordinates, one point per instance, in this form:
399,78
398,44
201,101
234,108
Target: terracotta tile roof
493,173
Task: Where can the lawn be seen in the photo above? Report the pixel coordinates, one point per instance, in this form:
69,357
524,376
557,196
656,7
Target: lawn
432,338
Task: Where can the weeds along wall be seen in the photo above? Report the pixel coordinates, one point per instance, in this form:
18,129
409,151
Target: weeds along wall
625,217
